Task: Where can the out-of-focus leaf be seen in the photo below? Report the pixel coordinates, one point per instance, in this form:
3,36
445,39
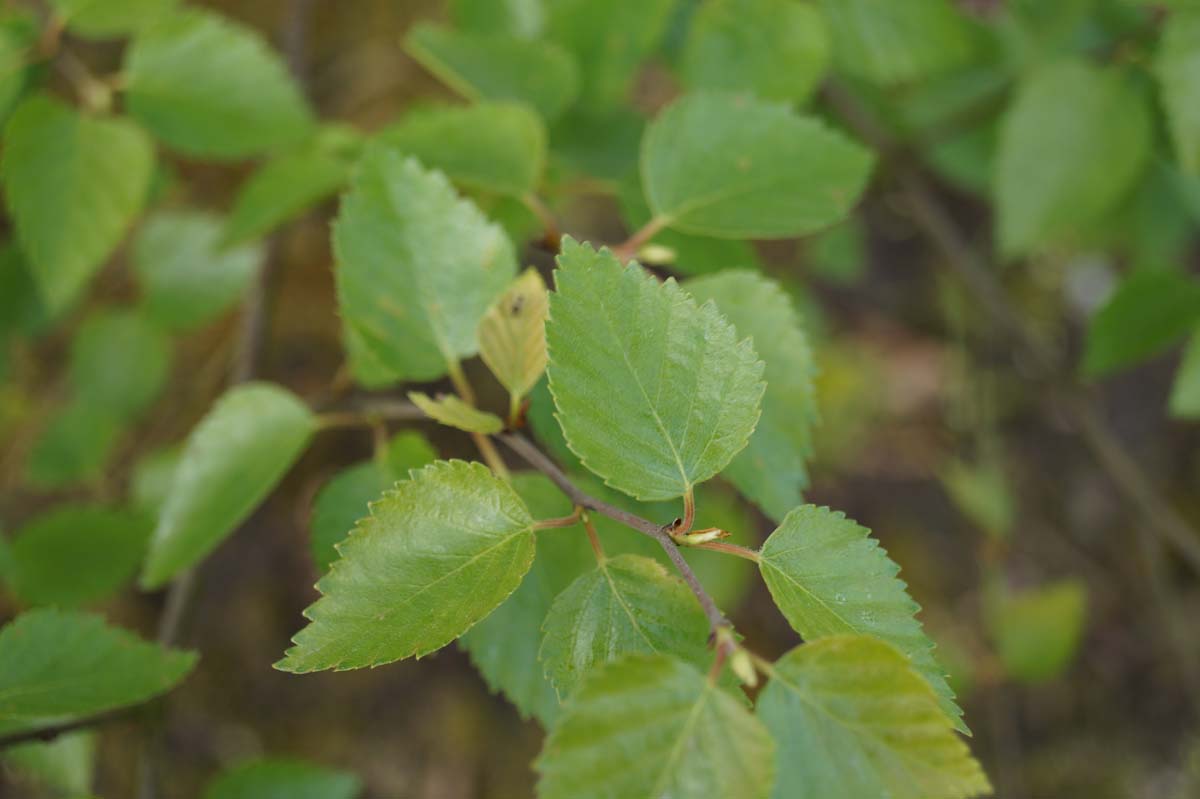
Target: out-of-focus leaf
667,730
852,718
105,19
829,576
1037,631
344,499
417,265
598,144
498,147
1178,69
76,555
1148,312
982,493
18,36
730,166
691,255
74,447
64,171
56,666
1073,142
233,458
188,277
772,469
1185,393
776,49
498,66
289,184
64,765
609,40
209,87
524,18
652,345
886,42
438,553
119,363
151,481
282,779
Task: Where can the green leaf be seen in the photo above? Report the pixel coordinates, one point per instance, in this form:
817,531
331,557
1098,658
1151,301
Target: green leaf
599,145
417,266
66,172
1185,393
76,555
212,88
119,363
105,19
1072,143
450,410
22,312
829,577
609,41
722,165
150,483
692,255
498,66
512,335
57,666
852,719
771,470
1147,313
233,458
1178,70
885,42
654,726
562,555
776,49
75,446
286,186
282,779
187,276
983,493
498,147
654,393
626,605
344,499
18,37
1037,631
437,554
64,765
523,18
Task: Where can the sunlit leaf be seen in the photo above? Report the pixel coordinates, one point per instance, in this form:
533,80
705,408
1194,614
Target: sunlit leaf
438,553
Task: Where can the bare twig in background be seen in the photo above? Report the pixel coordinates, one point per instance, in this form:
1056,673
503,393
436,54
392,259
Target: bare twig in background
1128,477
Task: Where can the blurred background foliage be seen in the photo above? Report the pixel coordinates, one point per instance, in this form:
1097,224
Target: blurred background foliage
1053,147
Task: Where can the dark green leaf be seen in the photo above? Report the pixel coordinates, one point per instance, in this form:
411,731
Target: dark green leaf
282,779
57,666
76,555
1147,313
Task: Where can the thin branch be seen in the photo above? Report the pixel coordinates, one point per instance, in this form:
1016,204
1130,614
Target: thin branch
540,461
975,272
628,249
55,730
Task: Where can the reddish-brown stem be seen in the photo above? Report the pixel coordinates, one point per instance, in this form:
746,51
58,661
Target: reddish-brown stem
594,538
628,249
562,521
729,549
